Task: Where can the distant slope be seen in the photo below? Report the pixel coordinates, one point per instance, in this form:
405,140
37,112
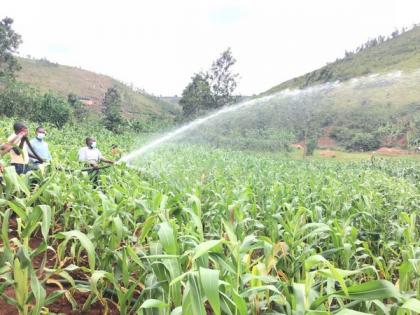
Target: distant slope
377,101
63,80
400,53
170,99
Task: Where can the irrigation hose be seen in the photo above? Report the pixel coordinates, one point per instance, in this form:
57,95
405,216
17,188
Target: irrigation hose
83,169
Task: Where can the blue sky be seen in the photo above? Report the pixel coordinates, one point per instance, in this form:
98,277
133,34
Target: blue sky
158,45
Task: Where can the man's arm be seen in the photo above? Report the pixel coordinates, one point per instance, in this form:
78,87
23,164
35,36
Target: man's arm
17,138
48,154
106,160
5,148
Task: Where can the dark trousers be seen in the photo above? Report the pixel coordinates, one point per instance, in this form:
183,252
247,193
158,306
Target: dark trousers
94,176
21,168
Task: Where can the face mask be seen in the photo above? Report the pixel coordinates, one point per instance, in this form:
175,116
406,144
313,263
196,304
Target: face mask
40,136
93,145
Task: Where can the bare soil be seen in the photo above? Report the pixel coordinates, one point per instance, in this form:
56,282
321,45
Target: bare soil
391,151
61,305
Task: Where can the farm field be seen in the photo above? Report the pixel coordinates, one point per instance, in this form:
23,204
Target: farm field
189,230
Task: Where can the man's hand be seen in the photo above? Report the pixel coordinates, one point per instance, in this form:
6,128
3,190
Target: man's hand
23,133
5,148
107,161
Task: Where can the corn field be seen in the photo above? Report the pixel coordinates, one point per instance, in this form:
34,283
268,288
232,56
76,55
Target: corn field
196,231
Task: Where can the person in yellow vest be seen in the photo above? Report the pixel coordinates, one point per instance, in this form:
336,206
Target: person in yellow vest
19,157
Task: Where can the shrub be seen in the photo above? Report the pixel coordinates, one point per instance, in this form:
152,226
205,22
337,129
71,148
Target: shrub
311,146
53,109
21,100
362,141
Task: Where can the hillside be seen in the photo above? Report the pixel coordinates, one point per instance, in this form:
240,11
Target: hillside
171,99
401,53
90,86
368,99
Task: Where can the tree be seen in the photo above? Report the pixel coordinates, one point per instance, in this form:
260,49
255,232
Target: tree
196,96
53,109
79,109
9,43
112,110
222,79
303,116
212,89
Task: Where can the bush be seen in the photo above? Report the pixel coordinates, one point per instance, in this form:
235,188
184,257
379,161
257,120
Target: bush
354,139
341,134
24,101
362,141
54,110
311,146
19,100
111,104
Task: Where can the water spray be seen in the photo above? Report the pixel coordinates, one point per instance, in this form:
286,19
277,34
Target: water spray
171,135
319,92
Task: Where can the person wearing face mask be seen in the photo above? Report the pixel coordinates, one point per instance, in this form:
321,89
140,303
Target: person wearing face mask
91,156
38,150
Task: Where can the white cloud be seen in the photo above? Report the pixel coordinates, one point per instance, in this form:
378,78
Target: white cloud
159,44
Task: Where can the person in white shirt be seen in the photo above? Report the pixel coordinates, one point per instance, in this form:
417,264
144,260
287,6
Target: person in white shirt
90,154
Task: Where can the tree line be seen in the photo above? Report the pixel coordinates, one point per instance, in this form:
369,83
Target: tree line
372,42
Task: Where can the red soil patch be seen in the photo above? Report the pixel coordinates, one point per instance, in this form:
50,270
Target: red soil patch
391,151
326,142
61,305
297,146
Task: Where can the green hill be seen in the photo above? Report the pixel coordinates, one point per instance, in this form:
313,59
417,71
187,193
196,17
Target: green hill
90,87
372,97
401,53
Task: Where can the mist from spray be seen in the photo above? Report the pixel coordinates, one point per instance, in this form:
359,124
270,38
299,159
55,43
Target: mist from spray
181,131
190,126
273,108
